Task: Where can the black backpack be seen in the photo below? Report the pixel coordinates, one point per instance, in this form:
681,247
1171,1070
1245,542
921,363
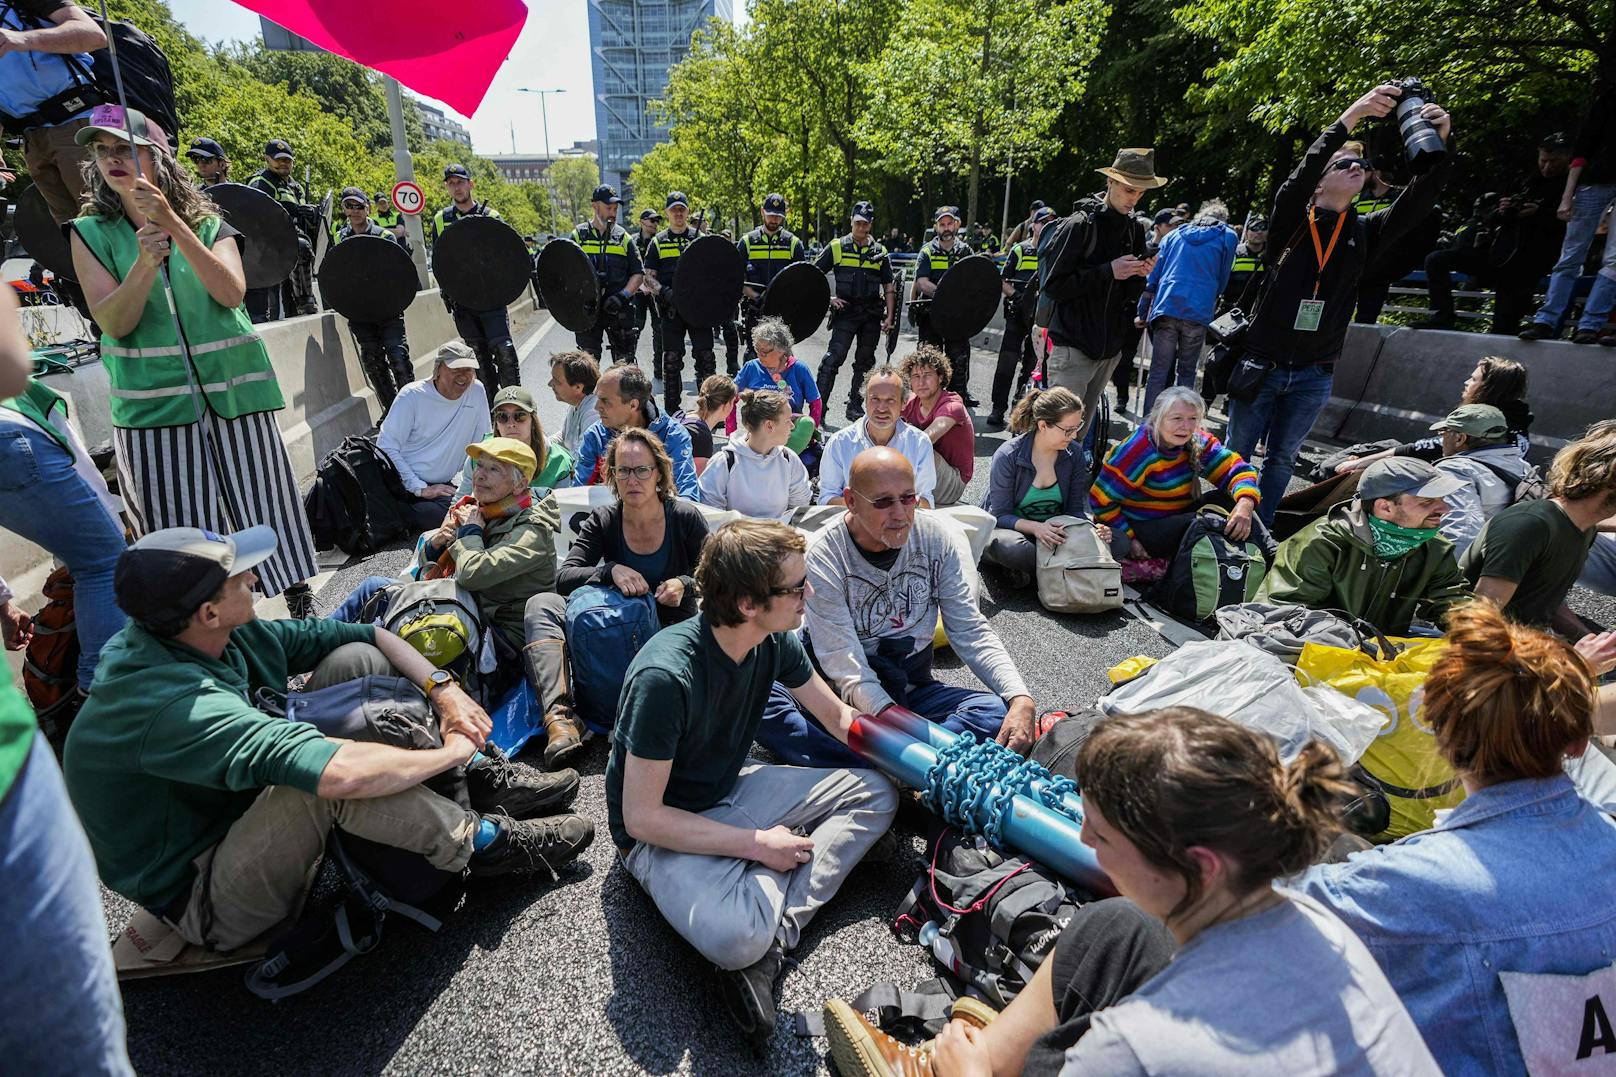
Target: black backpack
148,82
1210,570
355,500
1055,258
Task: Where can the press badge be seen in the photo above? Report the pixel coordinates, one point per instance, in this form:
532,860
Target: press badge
1308,315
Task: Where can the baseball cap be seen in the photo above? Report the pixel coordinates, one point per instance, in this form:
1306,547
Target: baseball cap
677,198
1037,204
277,148
204,147
132,126
515,394
945,211
379,196
774,203
1257,224
506,451
456,356
354,194
1163,216
650,215
1405,475
1477,420
864,211
168,574
1043,213
455,170
606,193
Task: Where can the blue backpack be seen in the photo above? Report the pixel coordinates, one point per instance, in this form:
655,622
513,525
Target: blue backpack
605,630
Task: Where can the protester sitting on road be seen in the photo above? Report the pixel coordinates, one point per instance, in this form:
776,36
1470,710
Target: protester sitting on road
1526,559
941,415
1181,295
1149,488
1381,556
777,368
1481,453
1037,474
759,476
882,425
881,575
213,813
1496,381
426,431
623,398
648,540
515,415
737,855
715,405
1192,816
573,375
1509,882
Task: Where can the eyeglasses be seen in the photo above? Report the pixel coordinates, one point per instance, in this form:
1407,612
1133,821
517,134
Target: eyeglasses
509,416
1071,431
790,592
884,503
119,151
1349,162
644,471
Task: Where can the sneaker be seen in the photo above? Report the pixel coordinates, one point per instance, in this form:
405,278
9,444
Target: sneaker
528,846
299,602
1537,331
750,996
1585,336
499,786
994,421
862,1050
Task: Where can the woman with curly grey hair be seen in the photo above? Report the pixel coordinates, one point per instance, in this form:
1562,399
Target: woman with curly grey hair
776,368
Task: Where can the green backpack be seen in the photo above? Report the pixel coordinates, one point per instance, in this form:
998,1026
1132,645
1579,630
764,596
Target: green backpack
438,618
1211,570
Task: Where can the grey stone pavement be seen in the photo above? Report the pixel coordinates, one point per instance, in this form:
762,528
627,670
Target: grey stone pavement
582,976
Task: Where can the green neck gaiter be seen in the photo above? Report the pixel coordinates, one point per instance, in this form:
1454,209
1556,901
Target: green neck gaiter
1393,540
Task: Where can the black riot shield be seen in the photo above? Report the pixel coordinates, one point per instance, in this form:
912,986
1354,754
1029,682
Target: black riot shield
966,299
271,250
481,263
568,283
799,295
41,236
708,284
368,279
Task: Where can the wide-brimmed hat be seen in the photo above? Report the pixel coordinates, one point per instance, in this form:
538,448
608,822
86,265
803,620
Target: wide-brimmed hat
1136,168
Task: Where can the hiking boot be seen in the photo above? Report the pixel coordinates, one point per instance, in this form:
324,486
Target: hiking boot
1537,331
862,1050
994,421
855,411
1585,336
299,602
499,786
750,996
528,846
563,736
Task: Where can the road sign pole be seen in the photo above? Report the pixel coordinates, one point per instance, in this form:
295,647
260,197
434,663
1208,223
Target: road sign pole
405,169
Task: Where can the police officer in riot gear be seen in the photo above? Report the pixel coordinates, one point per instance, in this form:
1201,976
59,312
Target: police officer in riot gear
486,332
1020,273
618,268
384,350
296,295
208,158
767,249
861,304
661,265
937,256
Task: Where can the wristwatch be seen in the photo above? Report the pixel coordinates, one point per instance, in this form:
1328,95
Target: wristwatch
436,679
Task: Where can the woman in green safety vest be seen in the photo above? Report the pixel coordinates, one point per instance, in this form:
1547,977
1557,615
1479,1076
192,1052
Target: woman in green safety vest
193,418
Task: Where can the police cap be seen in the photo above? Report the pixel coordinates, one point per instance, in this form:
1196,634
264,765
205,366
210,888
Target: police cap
775,203
353,194
606,193
278,148
204,148
456,171
677,198
864,211
945,211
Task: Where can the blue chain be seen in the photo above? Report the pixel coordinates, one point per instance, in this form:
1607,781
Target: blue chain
979,795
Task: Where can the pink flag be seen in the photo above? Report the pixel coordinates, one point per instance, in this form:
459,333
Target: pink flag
447,51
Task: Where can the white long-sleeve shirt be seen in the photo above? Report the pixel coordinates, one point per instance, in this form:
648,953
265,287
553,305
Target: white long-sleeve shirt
760,485
425,434
849,441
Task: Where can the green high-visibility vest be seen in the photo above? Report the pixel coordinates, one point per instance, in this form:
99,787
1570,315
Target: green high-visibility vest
1245,263
147,367
846,253
37,402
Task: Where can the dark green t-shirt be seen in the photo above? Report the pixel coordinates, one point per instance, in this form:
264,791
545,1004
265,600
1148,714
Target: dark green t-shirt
684,699
1535,545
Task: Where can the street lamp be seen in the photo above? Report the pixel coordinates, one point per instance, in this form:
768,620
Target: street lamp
543,112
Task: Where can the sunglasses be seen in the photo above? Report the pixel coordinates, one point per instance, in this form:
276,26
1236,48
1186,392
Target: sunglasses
1349,162
644,471
884,503
509,416
790,592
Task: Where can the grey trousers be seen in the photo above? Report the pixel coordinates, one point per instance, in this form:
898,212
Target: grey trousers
732,910
544,657
1012,550
950,485
1071,369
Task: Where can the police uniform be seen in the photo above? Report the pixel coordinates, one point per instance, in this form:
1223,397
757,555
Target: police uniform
766,255
384,349
933,263
616,259
486,332
863,276
663,258
296,294
1248,265
392,220
1020,272
645,305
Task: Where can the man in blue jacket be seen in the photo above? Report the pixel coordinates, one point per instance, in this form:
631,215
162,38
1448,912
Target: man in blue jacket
1181,295
623,398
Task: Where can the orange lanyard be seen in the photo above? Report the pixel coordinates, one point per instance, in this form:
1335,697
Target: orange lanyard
1323,253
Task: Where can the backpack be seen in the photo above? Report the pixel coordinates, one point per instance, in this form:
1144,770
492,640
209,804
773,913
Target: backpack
1061,734
439,618
148,82
1079,575
50,665
1529,487
354,501
605,630
1211,570
1052,248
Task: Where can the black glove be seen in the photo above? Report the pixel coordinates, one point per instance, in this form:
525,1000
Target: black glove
614,304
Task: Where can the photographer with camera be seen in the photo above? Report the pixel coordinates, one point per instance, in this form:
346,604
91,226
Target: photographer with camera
1281,381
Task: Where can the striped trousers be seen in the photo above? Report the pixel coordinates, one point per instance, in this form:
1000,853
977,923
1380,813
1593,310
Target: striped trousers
167,480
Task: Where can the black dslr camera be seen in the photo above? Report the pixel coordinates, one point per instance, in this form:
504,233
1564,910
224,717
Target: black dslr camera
1421,144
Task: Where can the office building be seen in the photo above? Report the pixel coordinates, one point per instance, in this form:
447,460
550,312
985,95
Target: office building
439,127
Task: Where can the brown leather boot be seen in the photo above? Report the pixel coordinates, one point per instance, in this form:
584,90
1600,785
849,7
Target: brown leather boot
862,1050
563,736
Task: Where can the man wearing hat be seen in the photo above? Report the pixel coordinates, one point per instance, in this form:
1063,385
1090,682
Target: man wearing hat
213,813
1381,556
644,298
1098,262
488,332
384,349
1023,228
1479,450
1020,274
212,166
936,256
426,431
661,267
620,271
385,214
861,302
767,249
296,294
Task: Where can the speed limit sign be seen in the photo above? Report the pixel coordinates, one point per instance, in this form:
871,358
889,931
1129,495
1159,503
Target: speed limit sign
407,197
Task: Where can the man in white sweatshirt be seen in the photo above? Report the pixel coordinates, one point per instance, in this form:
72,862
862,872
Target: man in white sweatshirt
426,431
1478,450
573,375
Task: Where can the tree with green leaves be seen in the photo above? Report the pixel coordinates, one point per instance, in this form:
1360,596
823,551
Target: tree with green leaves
573,179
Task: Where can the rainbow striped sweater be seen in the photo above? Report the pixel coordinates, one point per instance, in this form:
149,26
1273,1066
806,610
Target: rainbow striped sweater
1137,482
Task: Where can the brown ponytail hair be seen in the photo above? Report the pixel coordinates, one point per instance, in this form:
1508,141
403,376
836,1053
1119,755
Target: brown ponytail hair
716,391
1506,701
1044,406
1179,777
758,406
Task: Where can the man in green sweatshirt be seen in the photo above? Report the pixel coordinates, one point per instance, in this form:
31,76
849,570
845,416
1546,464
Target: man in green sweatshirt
211,812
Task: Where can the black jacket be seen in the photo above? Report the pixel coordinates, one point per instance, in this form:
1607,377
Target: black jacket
1092,309
1295,266
600,544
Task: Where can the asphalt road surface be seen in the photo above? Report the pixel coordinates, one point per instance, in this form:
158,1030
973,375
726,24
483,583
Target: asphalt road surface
583,976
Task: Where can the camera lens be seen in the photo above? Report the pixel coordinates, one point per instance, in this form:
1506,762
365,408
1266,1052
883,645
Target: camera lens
1421,144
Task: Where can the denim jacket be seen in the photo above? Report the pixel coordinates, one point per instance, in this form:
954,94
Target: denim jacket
1515,879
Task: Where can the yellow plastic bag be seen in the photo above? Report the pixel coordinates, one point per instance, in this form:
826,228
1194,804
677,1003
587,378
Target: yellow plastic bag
1403,759
1129,668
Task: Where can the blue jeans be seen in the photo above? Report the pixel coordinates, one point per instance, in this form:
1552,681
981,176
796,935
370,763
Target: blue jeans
1587,206
1281,415
60,1011
1175,349
349,610
45,501
800,741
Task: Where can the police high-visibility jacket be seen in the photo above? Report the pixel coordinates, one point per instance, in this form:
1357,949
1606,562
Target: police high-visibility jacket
1021,264
767,255
663,254
861,272
934,262
448,215
615,257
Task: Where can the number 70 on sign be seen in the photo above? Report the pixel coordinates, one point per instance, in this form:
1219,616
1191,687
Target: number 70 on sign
407,197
